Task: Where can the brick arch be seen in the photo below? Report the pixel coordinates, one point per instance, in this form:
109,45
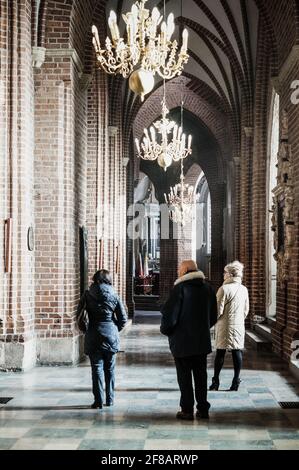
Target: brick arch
211,118
38,22
98,18
193,174
210,162
280,33
67,23
58,17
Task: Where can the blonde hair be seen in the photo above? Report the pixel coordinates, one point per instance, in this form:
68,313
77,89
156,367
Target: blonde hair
187,266
235,269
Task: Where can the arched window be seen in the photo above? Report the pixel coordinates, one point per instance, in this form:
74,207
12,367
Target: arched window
209,225
272,182
203,225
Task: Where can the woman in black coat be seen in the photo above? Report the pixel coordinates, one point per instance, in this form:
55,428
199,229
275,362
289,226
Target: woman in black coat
106,317
187,317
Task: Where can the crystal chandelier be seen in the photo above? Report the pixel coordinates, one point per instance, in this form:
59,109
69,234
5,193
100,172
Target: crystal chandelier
181,201
144,51
166,151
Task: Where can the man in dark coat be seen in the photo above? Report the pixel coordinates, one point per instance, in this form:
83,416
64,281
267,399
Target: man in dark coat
106,317
187,317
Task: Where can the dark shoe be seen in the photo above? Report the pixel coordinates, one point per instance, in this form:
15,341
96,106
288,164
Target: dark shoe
215,384
185,416
202,415
96,406
235,385
109,403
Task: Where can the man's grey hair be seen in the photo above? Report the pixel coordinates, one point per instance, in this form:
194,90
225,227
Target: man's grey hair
235,269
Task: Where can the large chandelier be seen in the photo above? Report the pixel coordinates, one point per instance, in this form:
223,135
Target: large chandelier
144,51
168,150
181,201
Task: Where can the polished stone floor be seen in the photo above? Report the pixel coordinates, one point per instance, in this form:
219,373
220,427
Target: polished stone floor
50,406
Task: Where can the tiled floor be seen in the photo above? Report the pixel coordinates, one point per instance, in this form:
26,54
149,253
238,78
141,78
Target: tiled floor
50,406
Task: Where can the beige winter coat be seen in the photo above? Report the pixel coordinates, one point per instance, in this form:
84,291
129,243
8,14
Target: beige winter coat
233,308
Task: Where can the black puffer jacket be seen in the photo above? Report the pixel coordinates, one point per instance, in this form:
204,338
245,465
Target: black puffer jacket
107,316
188,315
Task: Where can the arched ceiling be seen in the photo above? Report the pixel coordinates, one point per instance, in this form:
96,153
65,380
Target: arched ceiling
222,46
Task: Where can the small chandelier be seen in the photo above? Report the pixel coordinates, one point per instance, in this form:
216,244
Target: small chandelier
165,152
145,51
181,200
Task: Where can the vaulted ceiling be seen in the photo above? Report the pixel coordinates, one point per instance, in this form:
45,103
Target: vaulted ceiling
222,45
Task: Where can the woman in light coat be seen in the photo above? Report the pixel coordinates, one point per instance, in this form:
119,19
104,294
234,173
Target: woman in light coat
233,308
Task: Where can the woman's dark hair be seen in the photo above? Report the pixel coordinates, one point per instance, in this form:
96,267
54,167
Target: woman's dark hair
102,277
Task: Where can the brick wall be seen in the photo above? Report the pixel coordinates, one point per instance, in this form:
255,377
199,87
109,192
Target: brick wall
287,295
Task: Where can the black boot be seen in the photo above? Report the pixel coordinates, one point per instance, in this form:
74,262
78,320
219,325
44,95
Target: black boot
215,384
96,406
235,385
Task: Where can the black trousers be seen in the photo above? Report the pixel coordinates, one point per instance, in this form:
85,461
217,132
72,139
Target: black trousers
219,362
187,367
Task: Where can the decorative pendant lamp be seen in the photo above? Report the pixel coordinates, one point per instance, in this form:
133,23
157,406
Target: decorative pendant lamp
171,145
145,50
181,201
182,197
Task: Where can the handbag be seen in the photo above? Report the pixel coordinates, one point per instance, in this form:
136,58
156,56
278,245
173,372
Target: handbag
82,318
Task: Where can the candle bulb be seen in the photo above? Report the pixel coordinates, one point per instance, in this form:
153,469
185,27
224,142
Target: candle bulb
113,26
163,33
189,141
94,42
153,134
175,131
170,26
185,40
155,21
96,39
137,145
134,11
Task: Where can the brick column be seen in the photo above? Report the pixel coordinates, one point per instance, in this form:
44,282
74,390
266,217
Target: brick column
60,194
245,253
129,244
174,248
259,201
17,338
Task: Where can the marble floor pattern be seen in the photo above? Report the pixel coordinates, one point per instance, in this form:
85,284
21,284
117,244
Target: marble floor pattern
50,405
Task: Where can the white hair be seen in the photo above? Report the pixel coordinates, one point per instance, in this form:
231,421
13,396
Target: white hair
235,269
